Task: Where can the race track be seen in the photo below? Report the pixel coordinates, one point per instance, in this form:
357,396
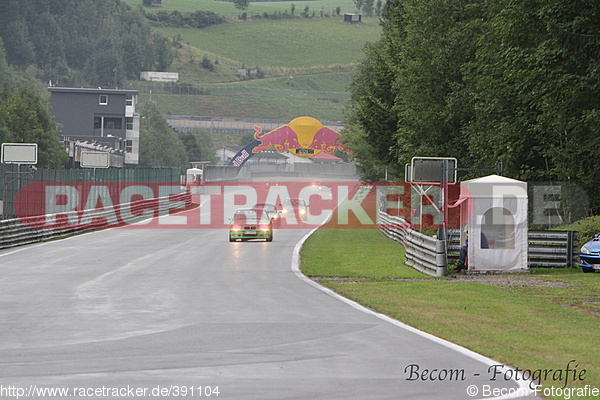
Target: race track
163,311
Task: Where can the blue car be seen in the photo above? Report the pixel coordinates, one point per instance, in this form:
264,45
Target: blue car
589,255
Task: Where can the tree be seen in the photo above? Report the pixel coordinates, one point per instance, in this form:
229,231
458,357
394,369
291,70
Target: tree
432,102
241,4
4,69
80,42
198,146
159,144
372,121
26,118
378,7
536,87
483,81
368,7
359,4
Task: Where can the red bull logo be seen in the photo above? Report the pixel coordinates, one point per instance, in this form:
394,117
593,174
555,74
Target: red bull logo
303,136
283,138
327,140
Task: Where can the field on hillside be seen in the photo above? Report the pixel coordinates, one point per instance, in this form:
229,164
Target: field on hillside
246,107
282,43
228,9
320,54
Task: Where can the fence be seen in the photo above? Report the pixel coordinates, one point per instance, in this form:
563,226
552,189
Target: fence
423,253
238,90
229,125
550,249
220,173
15,177
553,249
20,231
431,256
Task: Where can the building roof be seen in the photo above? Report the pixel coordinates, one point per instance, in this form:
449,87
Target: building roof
270,154
230,147
91,90
322,156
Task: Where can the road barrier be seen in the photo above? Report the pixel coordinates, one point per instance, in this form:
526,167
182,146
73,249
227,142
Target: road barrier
548,249
21,231
423,253
553,249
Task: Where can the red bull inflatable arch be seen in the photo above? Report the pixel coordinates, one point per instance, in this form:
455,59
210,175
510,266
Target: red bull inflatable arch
304,137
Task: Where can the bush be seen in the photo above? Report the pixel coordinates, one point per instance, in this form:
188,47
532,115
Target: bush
207,64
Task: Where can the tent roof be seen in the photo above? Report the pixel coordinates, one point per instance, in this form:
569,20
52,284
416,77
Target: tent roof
494,186
494,179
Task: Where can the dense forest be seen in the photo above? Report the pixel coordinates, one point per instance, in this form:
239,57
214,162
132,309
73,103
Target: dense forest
81,42
512,81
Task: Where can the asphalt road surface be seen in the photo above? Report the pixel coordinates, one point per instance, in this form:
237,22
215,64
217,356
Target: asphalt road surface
183,313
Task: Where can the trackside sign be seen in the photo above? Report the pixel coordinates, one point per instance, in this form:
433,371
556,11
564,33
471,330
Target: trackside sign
19,153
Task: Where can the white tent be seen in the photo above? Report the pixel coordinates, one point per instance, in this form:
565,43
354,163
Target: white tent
494,212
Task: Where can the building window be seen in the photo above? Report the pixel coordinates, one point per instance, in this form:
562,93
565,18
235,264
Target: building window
113,123
109,123
498,229
103,99
128,146
129,123
129,101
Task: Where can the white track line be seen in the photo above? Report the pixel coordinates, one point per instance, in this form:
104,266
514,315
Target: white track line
524,385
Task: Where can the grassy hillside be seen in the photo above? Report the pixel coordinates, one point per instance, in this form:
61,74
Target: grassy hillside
228,9
246,107
282,43
320,54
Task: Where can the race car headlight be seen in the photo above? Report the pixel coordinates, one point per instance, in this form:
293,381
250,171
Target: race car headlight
584,250
236,228
302,211
285,211
264,227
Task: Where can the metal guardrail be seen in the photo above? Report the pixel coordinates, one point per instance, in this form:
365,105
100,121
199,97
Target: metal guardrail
21,231
423,253
553,249
549,249
14,177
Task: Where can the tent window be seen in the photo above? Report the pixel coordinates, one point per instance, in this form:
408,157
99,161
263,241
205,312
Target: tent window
498,229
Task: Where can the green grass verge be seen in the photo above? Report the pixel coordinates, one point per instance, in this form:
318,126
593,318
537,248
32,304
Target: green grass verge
350,253
532,321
